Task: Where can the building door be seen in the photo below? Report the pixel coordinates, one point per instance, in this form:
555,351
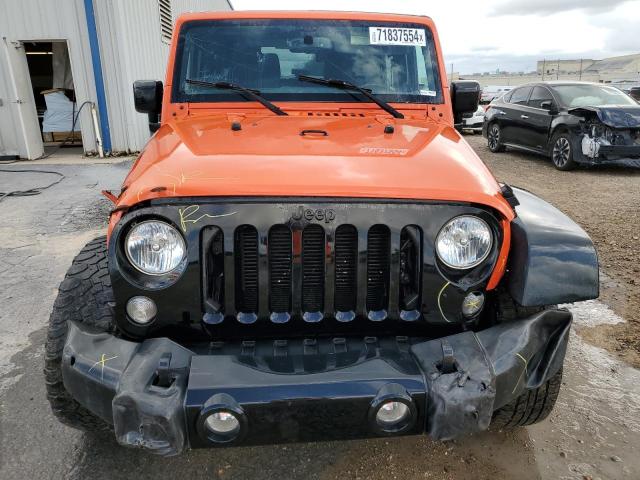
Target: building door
22,104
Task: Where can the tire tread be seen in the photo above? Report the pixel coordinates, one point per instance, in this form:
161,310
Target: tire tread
531,407
84,296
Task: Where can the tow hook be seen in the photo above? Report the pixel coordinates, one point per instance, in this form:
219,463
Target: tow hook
448,364
164,377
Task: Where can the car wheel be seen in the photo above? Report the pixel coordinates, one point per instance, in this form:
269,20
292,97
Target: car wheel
531,407
562,152
84,296
494,138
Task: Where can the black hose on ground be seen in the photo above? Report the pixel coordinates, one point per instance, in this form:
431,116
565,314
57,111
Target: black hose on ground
31,191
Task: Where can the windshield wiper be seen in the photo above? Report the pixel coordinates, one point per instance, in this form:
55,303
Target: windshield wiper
254,94
344,85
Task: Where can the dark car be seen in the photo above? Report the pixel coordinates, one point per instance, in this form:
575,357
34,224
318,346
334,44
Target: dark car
571,122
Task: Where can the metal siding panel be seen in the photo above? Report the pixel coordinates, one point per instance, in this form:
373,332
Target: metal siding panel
131,49
135,52
45,20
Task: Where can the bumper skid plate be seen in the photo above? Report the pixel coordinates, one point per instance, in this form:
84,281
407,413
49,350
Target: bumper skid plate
159,395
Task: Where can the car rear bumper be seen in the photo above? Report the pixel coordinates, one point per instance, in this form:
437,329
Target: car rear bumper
158,394
473,125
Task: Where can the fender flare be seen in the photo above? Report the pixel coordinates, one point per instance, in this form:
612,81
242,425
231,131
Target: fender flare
552,259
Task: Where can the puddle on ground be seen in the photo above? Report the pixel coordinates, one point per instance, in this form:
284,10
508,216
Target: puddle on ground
603,389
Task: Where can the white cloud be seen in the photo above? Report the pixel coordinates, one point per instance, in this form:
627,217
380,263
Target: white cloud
551,7
510,35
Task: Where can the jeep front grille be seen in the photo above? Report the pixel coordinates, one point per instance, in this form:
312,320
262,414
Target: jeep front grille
378,259
346,270
246,267
313,241
312,273
280,256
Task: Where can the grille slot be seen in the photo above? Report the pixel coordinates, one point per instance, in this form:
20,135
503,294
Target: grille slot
246,247
410,272
313,251
213,279
378,258
346,265
280,257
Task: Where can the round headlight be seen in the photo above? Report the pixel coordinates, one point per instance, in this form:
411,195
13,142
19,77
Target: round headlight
155,248
464,242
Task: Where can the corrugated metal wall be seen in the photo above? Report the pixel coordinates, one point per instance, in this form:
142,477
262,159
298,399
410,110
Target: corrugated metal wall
131,49
45,20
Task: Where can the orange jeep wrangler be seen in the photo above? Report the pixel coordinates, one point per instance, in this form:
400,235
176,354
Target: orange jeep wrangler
307,249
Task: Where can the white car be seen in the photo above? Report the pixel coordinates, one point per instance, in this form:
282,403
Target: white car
475,121
491,92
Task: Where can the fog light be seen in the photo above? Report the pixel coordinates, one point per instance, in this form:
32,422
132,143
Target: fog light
391,414
392,411
141,310
222,420
472,304
223,423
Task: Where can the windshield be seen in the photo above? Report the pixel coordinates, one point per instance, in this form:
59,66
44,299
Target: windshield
574,96
397,62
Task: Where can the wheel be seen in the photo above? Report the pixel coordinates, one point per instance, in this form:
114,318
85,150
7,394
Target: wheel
494,138
531,407
84,296
562,154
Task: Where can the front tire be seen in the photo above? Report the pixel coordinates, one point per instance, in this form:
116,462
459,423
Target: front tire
562,152
494,138
531,407
84,296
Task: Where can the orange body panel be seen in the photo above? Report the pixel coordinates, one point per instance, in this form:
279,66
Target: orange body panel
195,152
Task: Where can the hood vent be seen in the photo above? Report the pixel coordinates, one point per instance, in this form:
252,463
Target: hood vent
333,114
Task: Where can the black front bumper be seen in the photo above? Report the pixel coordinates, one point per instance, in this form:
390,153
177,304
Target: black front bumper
621,155
157,393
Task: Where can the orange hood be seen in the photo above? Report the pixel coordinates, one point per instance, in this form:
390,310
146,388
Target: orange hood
269,156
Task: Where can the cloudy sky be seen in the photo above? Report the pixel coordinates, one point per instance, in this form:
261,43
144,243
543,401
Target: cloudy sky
485,35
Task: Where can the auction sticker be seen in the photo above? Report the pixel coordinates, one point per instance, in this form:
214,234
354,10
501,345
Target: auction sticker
397,36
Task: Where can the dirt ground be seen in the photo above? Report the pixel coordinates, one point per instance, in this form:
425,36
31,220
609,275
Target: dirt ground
592,434
606,203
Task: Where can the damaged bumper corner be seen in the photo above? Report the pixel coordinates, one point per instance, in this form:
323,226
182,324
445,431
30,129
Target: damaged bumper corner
157,394
599,150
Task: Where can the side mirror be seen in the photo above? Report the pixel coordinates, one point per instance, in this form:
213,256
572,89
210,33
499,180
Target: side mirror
548,105
147,98
465,97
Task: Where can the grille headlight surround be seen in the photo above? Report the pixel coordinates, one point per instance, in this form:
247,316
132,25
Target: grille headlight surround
154,247
464,242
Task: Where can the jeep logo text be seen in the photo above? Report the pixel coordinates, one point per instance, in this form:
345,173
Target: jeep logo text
310,214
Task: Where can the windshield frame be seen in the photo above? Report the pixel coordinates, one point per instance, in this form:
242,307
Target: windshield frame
331,96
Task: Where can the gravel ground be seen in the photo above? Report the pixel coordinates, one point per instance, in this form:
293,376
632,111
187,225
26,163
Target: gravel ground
606,203
593,432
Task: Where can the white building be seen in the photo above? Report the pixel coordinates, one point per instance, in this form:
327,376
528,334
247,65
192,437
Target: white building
110,43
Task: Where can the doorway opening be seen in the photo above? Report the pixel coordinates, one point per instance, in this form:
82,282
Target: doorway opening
54,97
